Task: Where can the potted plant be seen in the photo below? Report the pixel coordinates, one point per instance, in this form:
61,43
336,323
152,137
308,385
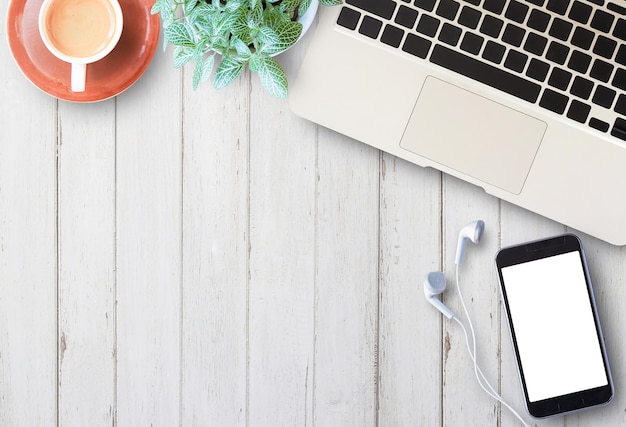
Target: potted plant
242,32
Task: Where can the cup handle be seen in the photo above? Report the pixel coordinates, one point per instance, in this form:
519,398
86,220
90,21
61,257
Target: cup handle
79,72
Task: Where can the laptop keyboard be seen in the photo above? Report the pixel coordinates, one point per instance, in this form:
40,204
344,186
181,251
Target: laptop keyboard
567,56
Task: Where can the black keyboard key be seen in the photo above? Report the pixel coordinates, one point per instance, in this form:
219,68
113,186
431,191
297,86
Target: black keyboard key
485,73
447,9
416,45
619,129
558,6
620,105
557,52
427,5
535,44
516,11
472,43
450,34
515,61
494,52
616,8
513,35
537,70
578,111
406,17
469,17
560,29
559,78
598,124
382,8
601,70
579,61
491,26
538,20
428,25
603,96
620,57
620,29
604,47
598,2
536,2
581,87
370,27
392,36
494,6
474,2
602,21
348,18
553,101
580,12
582,38
619,80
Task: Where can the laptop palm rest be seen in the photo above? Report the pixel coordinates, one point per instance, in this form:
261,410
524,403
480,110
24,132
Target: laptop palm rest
473,135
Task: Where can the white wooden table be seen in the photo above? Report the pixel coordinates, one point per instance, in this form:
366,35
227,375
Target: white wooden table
171,257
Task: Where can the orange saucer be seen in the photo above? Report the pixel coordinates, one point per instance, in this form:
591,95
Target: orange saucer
105,78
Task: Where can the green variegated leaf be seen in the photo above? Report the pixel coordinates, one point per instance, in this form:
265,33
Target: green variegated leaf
156,7
304,6
288,33
267,36
183,55
227,21
228,70
197,74
288,6
179,34
256,62
242,48
273,77
330,2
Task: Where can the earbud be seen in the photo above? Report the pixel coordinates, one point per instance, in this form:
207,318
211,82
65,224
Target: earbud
434,285
472,231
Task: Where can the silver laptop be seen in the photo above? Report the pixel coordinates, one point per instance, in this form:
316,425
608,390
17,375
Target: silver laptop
525,98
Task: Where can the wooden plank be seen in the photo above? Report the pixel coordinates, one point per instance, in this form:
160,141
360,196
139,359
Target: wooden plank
148,239
28,264
464,401
410,328
282,260
215,254
87,263
607,270
346,346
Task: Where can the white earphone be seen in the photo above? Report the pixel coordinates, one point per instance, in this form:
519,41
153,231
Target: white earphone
435,285
472,231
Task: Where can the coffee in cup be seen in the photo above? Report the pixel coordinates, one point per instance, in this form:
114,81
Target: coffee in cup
80,32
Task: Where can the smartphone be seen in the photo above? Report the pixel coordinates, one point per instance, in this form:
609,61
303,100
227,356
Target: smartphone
554,325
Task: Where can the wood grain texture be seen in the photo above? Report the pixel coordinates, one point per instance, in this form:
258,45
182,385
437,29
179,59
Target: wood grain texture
86,270
28,254
281,261
410,368
206,258
346,345
148,240
215,254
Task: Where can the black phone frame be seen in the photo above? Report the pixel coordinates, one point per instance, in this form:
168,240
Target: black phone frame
536,250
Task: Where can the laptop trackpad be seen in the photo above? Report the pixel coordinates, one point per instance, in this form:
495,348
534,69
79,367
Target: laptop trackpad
473,135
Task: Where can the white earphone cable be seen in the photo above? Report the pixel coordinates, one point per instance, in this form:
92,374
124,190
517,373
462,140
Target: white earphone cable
472,352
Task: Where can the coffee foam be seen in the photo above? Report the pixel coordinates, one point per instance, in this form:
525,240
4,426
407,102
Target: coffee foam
80,28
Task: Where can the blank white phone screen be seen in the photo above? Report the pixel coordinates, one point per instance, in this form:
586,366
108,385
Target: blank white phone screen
554,326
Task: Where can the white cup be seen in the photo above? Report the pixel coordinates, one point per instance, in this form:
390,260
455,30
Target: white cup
80,32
